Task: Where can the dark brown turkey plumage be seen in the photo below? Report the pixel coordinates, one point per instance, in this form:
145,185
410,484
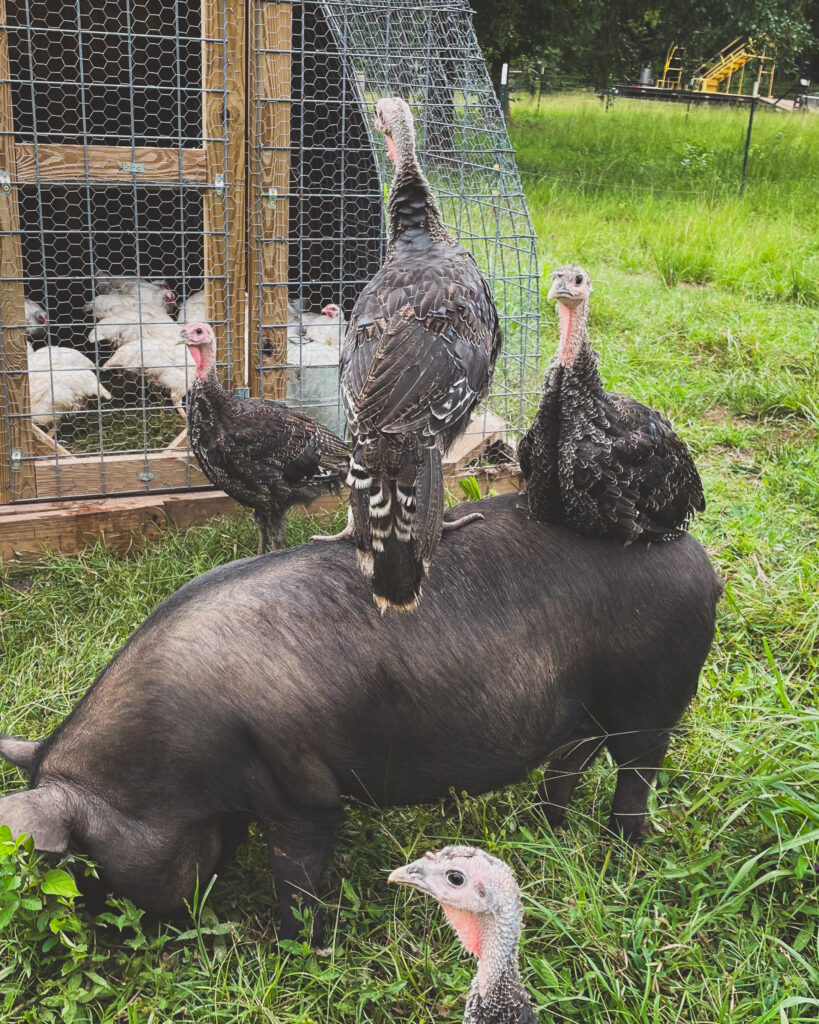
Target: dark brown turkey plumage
481,900
419,354
599,462
262,453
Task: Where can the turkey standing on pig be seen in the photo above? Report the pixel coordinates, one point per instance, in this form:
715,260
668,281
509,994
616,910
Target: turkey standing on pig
269,689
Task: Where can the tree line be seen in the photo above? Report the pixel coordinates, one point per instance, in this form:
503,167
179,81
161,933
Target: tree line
602,41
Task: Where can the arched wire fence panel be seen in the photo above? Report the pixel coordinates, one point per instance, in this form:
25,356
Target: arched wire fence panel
317,188
223,150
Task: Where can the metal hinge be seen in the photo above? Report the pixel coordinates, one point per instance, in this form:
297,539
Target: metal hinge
5,183
241,393
16,458
146,476
272,198
132,168
219,186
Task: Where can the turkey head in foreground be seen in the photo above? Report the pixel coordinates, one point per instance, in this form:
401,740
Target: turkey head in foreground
597,461
262,453
481,900
419,354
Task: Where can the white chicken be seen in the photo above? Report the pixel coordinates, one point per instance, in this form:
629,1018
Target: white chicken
147,302
158,355
313,346
127,325
60,380
193,309
135,287
325,328
36,320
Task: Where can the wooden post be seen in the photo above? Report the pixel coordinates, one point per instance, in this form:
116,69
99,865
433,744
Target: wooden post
271,35
17,482
236,128
223,131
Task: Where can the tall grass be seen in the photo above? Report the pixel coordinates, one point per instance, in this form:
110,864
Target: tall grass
669,178
716,917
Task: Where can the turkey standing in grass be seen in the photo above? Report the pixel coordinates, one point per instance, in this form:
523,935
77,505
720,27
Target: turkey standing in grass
419,354
594,460
481,900
263,454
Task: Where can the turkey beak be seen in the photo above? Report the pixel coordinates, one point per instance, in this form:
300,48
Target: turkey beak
559,290
183,337
413,874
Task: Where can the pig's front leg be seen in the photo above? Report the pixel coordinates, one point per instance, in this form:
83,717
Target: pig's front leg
298,849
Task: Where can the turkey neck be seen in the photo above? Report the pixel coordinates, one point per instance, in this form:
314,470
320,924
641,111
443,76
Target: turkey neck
210,385
574,336
414,214
493,938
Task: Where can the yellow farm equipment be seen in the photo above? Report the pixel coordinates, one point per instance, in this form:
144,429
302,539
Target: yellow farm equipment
718,74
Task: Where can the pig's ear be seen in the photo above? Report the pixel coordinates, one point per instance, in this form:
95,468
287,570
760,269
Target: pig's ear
23,753
42,814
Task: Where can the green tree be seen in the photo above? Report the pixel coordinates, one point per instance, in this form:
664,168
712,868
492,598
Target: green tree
601,40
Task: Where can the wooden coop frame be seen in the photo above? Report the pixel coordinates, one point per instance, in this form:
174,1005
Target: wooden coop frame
218,167
243,169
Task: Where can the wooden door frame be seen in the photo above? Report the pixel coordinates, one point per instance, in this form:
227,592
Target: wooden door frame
49,473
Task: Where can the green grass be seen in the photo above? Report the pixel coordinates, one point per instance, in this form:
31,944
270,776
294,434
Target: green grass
715,918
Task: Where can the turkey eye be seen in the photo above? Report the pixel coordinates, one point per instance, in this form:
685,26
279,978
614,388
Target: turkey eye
455,878
579,279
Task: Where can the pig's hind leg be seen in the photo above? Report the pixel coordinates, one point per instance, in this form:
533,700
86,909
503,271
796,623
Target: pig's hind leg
299,847
639,756
565,771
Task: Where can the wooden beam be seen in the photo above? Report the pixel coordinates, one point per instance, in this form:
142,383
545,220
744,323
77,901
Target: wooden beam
270,35
104,164
214,202
87,475
236,142
15,483
67,527
223,120
124,524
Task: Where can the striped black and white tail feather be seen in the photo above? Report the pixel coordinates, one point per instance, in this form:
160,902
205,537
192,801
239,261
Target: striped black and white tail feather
397,529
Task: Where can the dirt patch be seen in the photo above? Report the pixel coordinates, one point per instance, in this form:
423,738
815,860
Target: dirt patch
718,414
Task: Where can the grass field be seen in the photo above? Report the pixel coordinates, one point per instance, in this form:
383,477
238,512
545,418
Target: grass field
706,305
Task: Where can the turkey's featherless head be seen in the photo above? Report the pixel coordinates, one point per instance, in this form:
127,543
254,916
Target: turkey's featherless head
331,310
481,900
571,288
393,118
201,342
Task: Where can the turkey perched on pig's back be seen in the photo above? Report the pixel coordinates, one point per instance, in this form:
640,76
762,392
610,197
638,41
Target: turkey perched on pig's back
269,689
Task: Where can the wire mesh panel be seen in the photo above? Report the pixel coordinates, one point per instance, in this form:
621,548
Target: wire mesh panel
317,188
122,128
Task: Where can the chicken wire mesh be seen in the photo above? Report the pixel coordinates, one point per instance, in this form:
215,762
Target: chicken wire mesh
317,190
128,132
116,155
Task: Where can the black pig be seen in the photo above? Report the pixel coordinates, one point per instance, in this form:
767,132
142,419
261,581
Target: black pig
271,688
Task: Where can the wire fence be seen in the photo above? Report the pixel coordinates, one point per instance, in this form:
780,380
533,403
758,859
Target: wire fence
146,180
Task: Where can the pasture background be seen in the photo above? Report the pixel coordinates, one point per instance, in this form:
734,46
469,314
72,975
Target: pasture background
707,306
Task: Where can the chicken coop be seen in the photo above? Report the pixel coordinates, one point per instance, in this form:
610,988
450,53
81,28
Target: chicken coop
216,159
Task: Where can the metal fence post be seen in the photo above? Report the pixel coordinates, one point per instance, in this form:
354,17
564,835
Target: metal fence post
748,138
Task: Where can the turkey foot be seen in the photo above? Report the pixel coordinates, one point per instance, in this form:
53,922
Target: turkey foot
346,532
456,524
